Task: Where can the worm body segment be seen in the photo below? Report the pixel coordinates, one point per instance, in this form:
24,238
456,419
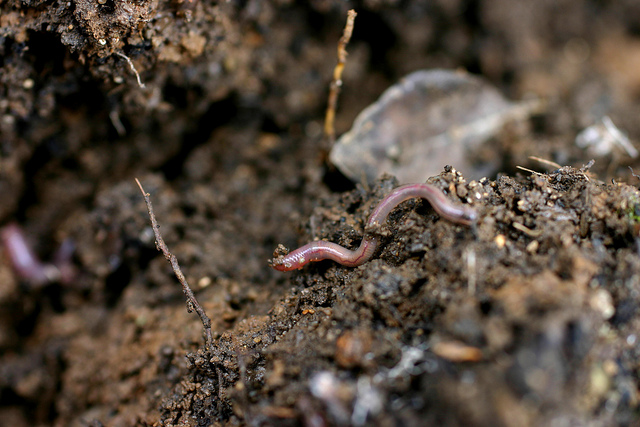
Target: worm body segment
321,250
23,260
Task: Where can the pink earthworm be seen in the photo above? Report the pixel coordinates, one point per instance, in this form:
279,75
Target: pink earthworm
321,250
28,266
24,261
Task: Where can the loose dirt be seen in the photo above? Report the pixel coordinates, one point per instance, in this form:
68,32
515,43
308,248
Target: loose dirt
529,317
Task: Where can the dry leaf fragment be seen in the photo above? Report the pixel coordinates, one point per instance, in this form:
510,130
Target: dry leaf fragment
430,119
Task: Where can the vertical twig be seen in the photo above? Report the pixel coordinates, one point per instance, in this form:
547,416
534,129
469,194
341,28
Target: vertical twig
192,302
336,82
470,255
133,68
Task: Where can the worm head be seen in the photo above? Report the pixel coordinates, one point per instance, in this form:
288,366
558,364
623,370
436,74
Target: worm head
281,259
279,264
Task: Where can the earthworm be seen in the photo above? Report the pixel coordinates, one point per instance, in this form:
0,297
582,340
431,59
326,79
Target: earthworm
63,261
24,261
321,250
28,266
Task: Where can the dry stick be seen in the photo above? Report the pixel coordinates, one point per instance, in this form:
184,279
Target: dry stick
133,68
336,82
546,162
192,302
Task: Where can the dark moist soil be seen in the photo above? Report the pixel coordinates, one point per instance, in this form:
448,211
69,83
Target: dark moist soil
528,318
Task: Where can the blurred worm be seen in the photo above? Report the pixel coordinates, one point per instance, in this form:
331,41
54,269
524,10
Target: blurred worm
28,266
321,250
23,260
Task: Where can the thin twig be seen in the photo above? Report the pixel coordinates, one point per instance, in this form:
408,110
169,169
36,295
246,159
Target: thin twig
133,68
336,82
526,230
546,162
192,302
470,254
528,170
117,123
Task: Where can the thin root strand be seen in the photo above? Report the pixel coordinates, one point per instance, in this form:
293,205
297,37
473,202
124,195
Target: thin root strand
192,302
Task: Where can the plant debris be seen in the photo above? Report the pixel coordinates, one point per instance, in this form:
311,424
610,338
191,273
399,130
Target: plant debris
530,318
430,118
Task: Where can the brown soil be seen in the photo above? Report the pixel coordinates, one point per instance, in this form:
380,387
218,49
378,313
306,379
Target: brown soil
530,317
